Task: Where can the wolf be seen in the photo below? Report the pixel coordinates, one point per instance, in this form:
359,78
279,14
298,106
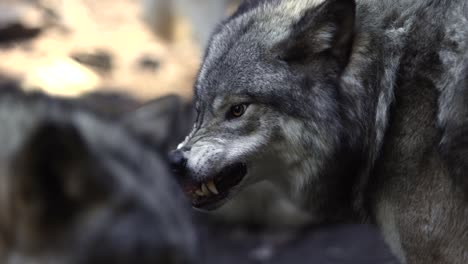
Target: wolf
356,109
81,186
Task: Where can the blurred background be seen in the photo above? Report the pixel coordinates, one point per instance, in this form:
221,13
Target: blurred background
147,48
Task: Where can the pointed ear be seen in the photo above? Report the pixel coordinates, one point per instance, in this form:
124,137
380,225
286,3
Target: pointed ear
328,27
52,176
245,6
160,123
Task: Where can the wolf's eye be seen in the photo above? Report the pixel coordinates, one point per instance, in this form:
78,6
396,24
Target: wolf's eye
237,111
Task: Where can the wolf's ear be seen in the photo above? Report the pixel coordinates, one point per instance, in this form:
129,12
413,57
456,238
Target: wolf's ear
160,123
247,5
328,27
51,171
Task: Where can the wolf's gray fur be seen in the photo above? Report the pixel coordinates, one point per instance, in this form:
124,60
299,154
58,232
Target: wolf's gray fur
80,187
356,109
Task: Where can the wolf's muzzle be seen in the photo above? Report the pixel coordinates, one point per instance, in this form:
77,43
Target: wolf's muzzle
178,162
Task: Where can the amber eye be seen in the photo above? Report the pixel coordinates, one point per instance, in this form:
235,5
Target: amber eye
237,110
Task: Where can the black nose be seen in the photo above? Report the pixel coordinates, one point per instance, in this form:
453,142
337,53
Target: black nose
177,161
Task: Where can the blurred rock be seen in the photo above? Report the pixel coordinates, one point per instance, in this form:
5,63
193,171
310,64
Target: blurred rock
109,40
61,77
148,62
175,20
19,21
6,79
158,14
100,60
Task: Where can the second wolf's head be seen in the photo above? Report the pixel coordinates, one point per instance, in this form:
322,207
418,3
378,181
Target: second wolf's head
267,99
80,188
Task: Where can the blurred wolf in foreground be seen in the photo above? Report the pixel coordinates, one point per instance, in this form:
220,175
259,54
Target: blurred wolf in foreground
358,110
79,188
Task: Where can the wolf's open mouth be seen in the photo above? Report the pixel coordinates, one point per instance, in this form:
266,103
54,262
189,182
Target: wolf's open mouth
208,194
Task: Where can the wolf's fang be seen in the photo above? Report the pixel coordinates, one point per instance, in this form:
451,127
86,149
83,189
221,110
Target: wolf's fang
205,190
212,187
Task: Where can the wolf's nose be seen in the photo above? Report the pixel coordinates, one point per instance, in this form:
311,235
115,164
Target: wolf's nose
177,161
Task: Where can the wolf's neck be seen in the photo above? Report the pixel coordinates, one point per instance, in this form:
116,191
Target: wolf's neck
329,178
333,188
367,92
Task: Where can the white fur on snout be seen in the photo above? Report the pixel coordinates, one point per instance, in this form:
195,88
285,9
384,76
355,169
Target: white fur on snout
181,145
208,157
205,158
187,138
243,148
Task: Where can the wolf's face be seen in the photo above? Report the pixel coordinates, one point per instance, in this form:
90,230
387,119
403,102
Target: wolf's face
267,99
225,147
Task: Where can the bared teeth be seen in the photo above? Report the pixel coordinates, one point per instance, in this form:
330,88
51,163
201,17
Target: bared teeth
199,193
212,187
205,190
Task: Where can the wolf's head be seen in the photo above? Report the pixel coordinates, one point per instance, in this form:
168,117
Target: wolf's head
80,189
267,99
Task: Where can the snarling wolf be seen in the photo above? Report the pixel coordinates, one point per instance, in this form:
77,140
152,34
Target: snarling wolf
78,186
357,109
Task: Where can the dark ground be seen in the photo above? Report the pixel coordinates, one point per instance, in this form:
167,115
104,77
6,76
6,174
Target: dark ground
346,244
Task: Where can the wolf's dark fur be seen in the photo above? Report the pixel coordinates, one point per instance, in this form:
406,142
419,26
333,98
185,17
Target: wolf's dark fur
360,104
